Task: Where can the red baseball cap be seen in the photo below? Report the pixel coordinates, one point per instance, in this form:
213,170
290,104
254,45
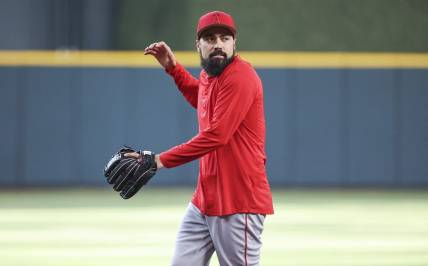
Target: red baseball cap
215,19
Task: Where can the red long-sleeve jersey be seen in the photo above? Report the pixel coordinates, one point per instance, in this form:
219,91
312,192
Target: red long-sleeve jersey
230,143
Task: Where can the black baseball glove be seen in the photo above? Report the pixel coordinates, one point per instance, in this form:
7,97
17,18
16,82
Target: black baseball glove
127,174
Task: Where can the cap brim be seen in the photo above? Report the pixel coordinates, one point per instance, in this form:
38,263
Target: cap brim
201,31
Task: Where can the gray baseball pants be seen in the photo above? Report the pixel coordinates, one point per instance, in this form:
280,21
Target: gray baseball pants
235,238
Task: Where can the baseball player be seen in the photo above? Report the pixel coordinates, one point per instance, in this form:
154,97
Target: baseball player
232,197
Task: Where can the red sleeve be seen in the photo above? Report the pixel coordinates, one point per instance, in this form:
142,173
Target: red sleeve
186,83
234,99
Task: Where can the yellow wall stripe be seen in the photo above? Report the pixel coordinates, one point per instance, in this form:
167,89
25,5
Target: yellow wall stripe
191,59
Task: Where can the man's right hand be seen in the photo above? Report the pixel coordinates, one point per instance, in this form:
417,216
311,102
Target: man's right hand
162,53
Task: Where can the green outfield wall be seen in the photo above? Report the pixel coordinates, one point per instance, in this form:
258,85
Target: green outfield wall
283,25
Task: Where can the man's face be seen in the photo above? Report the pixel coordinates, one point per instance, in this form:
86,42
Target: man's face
217,49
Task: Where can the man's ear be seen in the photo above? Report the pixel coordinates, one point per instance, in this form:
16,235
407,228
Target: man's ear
234,43
197,46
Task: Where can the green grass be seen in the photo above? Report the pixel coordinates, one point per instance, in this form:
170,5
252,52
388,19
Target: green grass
310,228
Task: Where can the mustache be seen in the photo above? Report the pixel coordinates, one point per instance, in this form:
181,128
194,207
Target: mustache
218,52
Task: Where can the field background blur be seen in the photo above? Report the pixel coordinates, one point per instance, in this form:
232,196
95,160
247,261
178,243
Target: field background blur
311,227
346,93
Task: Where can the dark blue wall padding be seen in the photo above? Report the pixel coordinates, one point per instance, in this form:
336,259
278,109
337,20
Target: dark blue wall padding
325,127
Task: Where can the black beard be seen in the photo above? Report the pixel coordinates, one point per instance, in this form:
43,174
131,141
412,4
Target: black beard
214,66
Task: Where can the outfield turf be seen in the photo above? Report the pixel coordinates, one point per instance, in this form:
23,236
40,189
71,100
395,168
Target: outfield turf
311,227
